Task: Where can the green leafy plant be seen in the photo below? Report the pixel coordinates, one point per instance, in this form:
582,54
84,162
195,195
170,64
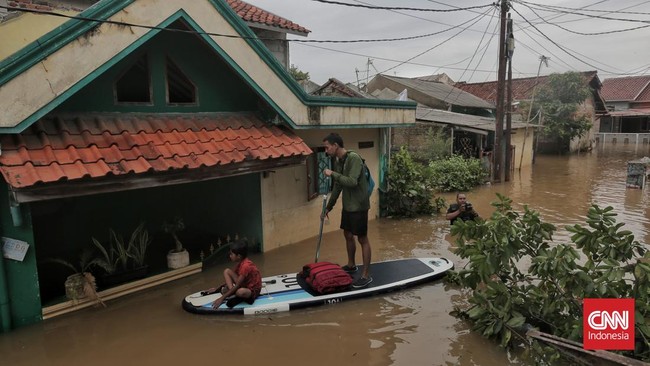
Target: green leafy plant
560,102
138,244
516,275
437,145
409,189
457,173
122,255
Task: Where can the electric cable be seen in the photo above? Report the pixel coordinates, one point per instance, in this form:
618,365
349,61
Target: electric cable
373,7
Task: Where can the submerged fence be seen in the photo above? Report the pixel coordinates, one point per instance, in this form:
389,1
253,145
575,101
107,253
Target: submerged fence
623,138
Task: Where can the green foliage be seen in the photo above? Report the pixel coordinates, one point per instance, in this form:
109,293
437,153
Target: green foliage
410,192
602,261
122,255
457,174
298,75
560,100
437,145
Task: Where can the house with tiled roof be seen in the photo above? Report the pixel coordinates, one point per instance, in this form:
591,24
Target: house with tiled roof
522,90
462,116
628,104
123,115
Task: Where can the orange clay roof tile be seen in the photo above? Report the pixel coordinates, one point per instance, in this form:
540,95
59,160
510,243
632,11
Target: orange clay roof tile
62,147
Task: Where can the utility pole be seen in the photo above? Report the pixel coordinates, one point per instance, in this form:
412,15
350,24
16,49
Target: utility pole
499,147
510,48
542,59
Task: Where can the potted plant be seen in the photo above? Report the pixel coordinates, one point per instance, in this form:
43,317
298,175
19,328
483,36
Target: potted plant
177,257
122,261
81,283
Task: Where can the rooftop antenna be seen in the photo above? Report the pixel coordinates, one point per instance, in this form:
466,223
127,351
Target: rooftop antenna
358,82
368,63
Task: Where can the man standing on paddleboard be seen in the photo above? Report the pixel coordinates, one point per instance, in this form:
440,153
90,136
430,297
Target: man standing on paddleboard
348,177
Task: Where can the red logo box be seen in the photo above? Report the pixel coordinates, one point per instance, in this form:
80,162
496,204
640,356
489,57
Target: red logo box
608,324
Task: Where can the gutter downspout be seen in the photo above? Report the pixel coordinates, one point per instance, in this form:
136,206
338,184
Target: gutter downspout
5,311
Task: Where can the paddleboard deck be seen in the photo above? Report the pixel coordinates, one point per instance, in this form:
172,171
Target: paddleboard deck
289,292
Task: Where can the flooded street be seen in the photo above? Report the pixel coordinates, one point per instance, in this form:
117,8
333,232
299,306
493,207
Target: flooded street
410,327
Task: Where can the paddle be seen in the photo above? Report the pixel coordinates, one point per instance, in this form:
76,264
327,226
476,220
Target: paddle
206,293
320,232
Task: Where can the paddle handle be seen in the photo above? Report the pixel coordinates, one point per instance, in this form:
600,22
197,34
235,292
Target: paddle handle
320,231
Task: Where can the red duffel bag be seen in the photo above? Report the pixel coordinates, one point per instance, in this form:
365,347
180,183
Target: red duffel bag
326,277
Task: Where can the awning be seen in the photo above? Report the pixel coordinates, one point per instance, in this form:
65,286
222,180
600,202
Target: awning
630,113
67,152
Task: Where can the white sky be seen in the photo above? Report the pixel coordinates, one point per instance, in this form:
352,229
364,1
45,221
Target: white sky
613,55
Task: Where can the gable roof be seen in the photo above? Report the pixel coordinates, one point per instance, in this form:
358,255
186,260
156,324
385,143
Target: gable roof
26,27
334,86
443,92
49,58
69,148
522,88
626,89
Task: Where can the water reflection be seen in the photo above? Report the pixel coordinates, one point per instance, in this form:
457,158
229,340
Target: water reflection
410,327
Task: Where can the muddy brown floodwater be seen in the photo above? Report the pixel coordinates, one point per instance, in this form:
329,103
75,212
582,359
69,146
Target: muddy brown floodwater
410,327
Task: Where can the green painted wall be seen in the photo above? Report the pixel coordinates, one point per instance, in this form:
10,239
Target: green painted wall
219,87
211,210
21,277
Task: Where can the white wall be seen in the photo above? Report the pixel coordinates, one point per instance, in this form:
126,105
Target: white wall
288,217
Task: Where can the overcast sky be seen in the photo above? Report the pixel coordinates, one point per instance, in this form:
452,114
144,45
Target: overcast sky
467,54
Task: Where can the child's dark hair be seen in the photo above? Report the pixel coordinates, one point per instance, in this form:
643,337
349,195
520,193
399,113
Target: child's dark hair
334,138
239,247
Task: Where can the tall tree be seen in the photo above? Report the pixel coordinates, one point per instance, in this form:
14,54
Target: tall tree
560,102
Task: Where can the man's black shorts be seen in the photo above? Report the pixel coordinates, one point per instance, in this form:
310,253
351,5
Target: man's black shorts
355,222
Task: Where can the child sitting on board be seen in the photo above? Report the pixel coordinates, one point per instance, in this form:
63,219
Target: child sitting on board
244,281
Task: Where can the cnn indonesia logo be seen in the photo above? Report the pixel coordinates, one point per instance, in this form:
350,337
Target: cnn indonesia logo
608,324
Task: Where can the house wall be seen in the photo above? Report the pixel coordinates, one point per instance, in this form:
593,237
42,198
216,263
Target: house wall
288,216
218,87
523,140
19,278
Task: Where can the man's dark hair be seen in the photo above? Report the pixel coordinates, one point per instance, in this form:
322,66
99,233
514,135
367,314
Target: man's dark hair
239,247
334,138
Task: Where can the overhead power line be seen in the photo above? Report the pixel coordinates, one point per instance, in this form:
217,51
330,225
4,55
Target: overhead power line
127,24
570,10
373,7
474,20
556,44
575,12
582,33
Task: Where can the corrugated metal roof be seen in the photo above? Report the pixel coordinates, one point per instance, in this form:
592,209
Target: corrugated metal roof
631,88
443,92
460,119
60,148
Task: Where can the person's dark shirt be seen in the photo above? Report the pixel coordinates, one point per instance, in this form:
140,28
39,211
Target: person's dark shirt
464,215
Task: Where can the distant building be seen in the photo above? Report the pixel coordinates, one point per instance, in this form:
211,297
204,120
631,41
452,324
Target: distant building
628,104
522,90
